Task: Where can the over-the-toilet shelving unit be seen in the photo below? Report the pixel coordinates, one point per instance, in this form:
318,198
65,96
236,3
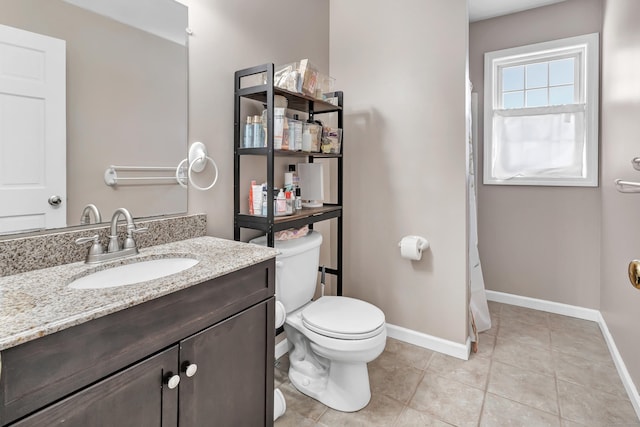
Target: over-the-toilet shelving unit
269,224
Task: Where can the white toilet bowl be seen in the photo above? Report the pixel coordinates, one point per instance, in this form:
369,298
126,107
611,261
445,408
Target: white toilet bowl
331,340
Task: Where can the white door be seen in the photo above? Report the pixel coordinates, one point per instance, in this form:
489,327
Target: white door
32,131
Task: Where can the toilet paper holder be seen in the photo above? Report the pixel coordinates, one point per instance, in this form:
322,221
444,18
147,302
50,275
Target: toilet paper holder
411,247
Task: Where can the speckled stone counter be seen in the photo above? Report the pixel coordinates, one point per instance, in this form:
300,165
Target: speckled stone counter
39,302
22,253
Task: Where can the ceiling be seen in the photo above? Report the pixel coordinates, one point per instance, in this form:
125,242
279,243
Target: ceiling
485,9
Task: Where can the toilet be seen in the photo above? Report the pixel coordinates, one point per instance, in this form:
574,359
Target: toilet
331,339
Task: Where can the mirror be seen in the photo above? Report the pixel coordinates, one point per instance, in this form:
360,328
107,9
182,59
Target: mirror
126,100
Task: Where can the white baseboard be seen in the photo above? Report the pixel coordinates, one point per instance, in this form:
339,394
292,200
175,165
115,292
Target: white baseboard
282,348
461,351
543,305
632,391
580,313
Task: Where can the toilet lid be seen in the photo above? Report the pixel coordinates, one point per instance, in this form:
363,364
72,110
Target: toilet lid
343,317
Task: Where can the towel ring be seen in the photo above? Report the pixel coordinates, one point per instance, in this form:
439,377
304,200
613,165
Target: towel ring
198,160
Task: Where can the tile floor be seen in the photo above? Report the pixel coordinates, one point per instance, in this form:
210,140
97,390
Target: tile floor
532,369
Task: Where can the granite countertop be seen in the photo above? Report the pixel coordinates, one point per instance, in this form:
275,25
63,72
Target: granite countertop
39,302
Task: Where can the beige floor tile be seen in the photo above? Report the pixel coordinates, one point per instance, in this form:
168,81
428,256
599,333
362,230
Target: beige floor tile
521,314
534,358
599,375
301,403
593,407
473,372
525,333
494,308
498,411
495,324
567,323
588,346
410,354
567,423
390,377
486,345
293,419
381,411
524,386
412,418
448,400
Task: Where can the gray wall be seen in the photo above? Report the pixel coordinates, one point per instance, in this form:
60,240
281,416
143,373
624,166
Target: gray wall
540,242
403,70
620,143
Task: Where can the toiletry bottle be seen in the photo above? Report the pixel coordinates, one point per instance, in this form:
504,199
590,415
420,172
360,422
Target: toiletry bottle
292,135
288,181
257,132
296,179
248,133
297,125
281,203
265,198
298,202
306,140
289,203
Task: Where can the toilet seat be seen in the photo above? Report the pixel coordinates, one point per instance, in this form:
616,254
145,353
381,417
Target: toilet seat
343,318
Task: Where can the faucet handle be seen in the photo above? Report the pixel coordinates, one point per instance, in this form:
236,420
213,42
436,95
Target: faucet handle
84,240
96,247
140,230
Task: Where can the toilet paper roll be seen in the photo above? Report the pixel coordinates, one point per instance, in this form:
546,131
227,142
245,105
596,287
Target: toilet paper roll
411,247
281,314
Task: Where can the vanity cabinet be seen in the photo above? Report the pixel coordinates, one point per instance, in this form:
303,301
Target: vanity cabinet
114,370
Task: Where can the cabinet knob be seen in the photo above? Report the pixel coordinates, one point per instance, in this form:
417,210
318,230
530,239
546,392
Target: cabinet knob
189,368
172,380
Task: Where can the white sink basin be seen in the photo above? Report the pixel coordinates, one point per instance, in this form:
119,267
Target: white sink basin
130,274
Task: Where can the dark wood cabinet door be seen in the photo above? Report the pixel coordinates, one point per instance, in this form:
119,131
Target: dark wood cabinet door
134,397
233,385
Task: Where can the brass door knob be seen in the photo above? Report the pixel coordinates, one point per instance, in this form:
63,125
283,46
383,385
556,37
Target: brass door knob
634,273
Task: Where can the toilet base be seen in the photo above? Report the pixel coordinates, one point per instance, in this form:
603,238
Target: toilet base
346,388
340,384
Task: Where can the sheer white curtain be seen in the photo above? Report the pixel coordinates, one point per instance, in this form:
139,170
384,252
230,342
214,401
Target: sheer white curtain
546,142
478,300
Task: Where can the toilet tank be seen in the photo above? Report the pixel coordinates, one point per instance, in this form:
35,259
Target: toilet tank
296,269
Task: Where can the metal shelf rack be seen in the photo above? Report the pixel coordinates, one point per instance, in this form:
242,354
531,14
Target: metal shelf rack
257,90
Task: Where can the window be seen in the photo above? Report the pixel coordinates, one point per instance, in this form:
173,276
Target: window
541,114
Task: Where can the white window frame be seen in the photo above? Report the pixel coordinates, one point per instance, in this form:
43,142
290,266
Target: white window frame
585,50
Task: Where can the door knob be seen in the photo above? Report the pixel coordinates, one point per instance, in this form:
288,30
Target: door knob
172,380
634,273
55,200
189,368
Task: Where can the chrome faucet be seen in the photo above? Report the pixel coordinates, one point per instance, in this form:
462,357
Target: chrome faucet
114,250
85,218
129,243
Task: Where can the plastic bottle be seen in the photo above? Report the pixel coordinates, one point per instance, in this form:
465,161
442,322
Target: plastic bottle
257,132
264,200
281,203
298,201
296,179
248,133
289,203
306,140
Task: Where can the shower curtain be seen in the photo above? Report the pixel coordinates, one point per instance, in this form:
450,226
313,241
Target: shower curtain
479,310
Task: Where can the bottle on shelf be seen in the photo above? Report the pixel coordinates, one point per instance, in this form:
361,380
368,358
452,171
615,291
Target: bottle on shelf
298,202
247,142
306,140
258,132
